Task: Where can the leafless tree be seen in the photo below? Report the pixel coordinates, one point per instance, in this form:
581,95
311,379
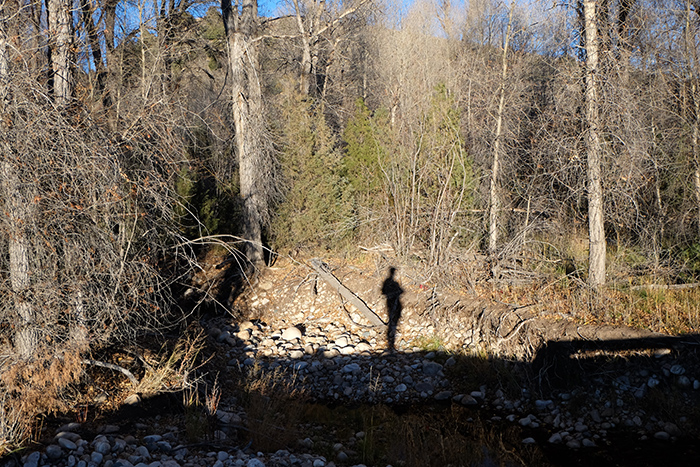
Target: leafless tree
255,158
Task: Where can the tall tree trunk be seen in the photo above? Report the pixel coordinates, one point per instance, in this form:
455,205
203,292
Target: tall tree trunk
61,30
596,231
18,211
494,195
248,121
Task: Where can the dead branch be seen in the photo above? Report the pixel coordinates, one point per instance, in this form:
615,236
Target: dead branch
325,274
112,366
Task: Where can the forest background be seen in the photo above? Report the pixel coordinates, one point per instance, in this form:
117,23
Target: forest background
553,146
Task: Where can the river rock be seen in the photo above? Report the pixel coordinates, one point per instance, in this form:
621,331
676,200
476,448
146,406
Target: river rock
33,459
66,443
431,368
424,387
291,334
677,370
96,457
443,395
54,451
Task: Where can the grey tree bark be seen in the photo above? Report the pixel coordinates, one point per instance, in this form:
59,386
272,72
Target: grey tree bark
251,147
596,232
61,32
494,195
18,210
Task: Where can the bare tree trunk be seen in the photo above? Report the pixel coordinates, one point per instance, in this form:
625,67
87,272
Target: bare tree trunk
596,231
60,28
17,210
248,121
494,196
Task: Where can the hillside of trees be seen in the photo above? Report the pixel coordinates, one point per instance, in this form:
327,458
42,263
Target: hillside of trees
515,140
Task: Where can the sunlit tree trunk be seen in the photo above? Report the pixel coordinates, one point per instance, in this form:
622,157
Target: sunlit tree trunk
248,120
596,232
494,196
61,42
18,211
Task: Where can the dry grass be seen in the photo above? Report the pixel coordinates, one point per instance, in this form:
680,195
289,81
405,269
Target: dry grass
14,429
667,311
274,405
173,369
32,388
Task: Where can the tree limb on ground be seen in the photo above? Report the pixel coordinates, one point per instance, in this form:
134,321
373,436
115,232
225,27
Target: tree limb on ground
666,287
111,366
325,274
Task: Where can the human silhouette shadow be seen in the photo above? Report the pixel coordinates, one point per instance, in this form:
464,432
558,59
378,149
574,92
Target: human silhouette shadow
392,291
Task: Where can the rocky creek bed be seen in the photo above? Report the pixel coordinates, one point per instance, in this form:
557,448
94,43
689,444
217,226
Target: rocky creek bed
469,362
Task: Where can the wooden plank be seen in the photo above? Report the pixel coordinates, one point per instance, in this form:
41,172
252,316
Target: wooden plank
324,272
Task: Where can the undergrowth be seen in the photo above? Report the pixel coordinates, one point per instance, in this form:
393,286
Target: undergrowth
670,311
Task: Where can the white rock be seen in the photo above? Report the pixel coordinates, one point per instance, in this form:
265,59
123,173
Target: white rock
291,334
401,388
555,438
529,441
342,341
662,435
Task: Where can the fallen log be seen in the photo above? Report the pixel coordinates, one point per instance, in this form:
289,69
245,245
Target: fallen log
324,272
